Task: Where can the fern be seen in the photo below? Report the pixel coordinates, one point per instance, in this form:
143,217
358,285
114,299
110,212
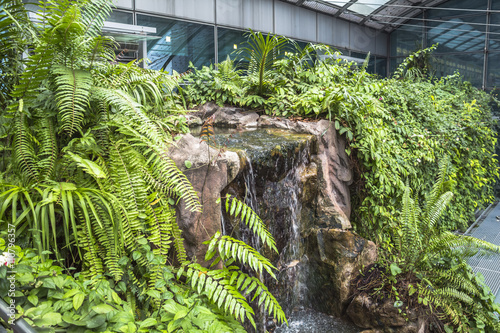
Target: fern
24,151
72,94
438,258
236,208
229,248
47,153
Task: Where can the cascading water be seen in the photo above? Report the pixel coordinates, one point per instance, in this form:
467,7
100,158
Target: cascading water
270,183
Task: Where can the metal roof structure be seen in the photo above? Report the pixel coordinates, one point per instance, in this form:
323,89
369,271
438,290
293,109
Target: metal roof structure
385,15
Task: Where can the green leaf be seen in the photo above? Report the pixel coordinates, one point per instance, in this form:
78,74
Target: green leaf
50,319
96,321
180,314
33,299
102,308
148,323
154,293
78,300
188,164
88,166
395,270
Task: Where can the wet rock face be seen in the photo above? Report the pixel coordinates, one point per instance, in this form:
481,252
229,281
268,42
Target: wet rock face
335,256
296,176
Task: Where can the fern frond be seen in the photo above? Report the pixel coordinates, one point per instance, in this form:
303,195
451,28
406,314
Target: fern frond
231,249
436,209
47,153
160,221
166,172
441,185
463,246
24,152
124,161
223,294
180,251
454,277
247,283
235,208
93,15
72,95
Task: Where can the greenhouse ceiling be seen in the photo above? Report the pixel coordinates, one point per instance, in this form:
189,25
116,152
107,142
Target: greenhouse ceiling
384,15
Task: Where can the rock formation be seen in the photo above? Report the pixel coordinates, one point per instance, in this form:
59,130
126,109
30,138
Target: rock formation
307,175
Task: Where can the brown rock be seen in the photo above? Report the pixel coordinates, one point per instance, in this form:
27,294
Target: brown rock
235,117
384,317
336,257
209,174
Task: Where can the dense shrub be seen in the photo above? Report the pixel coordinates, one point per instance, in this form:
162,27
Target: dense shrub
396,127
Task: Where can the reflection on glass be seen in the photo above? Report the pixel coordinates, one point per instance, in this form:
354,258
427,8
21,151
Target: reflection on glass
407,39
381,66
227,39
470,66
180,43
461,35
121,17
493,75
465,34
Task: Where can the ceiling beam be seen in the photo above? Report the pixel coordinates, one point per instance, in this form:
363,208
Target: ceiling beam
343,8
423,3
376,11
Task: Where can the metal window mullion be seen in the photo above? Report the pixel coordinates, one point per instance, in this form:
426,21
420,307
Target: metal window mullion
424,27
486,44
216,37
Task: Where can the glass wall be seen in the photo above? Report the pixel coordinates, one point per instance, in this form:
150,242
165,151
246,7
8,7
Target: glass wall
180,43
181,39
460,29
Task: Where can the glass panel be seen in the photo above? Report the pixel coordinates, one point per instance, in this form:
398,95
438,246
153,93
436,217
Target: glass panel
339,3
470,66
458,34
229,41
495,32
381,67
493,75
407,39
121,17
437,13
395,62
181,43
366,7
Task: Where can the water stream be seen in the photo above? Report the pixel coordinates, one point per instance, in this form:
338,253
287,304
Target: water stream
270,183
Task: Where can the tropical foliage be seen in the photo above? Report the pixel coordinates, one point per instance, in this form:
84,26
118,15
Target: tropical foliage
394,136
429,265
86,181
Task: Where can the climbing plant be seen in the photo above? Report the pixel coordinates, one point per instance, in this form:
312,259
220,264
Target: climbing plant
395,128
427,266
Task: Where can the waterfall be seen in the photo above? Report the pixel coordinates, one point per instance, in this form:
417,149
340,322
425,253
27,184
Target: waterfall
271,183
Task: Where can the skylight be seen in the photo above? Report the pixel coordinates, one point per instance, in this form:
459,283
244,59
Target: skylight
366,7
363,7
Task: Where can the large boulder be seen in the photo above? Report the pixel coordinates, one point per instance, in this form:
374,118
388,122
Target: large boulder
335,258
210,172
383,317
